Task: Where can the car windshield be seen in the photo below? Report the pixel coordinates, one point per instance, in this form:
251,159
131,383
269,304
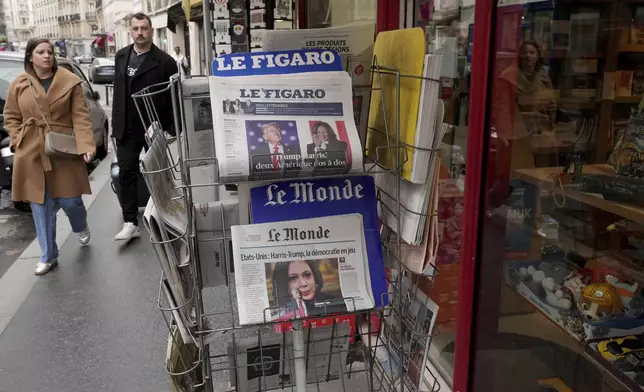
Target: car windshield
9,70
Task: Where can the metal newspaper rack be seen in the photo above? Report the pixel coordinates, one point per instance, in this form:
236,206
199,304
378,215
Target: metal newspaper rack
385,346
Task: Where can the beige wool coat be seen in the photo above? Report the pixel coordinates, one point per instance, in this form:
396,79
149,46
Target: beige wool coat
65,110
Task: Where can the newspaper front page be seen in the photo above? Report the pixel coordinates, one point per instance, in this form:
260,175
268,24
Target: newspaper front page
278,126
301,268
354,42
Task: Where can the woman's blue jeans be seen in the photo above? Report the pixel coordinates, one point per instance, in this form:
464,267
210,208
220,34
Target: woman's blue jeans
45,220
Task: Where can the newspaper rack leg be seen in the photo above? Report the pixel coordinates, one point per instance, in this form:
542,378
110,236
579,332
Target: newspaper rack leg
382,353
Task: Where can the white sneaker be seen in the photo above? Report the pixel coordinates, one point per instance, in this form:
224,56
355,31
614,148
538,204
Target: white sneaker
43,268
129,231
84,236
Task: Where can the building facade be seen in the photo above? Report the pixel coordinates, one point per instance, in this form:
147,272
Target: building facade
20,22
46,19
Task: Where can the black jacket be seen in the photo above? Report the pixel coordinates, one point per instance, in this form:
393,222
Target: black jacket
157,67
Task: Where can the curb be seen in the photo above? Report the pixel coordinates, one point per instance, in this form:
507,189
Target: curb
18,281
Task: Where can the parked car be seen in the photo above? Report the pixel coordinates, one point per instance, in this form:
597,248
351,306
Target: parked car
83,59
11,65
101,71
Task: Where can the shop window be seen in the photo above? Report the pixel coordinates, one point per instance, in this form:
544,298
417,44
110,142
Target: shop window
327,13
564,192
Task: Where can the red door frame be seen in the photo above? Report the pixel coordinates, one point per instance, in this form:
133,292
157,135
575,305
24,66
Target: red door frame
387,15
475,174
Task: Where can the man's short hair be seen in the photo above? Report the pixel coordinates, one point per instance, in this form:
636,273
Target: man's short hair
141,16
270,124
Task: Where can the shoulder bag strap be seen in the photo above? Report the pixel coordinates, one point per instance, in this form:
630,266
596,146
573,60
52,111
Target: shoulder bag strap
33,95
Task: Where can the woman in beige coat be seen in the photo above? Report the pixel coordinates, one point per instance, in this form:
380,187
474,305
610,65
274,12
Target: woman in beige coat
42,99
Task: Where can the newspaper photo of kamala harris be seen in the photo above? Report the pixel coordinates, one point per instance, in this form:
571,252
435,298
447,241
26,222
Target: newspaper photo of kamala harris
301,288
328,146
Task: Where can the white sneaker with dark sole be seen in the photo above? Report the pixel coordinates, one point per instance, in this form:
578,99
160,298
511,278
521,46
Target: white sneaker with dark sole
43,268
129,231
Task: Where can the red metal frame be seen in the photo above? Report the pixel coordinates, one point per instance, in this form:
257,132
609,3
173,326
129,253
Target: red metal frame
301,14
475,173
387,15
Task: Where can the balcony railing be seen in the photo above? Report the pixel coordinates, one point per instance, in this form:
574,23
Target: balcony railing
90,15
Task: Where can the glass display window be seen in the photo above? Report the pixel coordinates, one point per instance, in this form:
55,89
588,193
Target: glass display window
328,13
560,307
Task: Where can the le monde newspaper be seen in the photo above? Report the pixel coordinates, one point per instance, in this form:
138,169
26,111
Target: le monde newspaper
301,268
283,125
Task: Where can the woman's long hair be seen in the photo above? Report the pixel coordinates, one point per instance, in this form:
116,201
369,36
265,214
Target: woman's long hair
281,293
540,62
332,136
29,51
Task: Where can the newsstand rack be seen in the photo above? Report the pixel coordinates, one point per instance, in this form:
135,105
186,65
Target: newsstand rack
207,355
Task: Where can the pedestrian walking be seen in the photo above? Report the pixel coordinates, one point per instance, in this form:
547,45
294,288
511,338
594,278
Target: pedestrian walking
45,99
138,66
182,62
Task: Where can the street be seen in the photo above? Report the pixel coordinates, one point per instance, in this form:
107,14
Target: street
17,229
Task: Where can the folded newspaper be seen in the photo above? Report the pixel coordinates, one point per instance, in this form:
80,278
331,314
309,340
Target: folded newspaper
301,268
275,126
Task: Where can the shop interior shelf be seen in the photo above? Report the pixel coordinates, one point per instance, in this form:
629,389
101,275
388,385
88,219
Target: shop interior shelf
544,177
630,48
633,99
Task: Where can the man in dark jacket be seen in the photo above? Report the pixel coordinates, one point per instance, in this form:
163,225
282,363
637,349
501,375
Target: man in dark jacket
137,66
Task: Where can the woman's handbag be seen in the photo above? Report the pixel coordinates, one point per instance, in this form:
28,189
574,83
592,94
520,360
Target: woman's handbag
57,144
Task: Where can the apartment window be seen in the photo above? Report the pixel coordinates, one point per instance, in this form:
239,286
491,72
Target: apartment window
163,39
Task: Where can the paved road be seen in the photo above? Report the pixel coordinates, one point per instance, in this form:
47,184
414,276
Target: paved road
16,228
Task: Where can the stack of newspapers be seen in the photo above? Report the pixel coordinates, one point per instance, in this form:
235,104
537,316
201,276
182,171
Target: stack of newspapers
307,249
280,126
166,221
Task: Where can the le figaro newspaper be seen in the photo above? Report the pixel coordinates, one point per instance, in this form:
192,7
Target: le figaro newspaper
283,125
301,268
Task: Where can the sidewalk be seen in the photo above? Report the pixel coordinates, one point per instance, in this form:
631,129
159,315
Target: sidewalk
92,324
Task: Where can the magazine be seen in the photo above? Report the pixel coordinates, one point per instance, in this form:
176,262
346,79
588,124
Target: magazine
288,200
301,268
353,41
418,314
271,125
268,366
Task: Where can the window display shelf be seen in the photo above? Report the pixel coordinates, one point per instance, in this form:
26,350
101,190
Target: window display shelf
629,100
545,176
631,48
